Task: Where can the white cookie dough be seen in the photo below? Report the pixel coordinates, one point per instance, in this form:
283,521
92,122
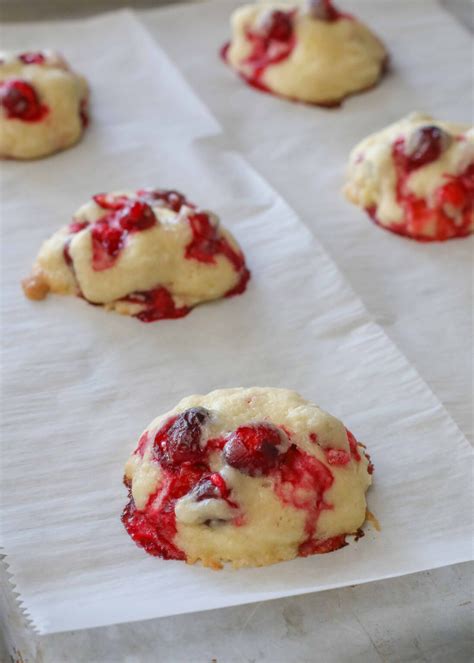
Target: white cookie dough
313,54
416,177
256,508
43,104
140,256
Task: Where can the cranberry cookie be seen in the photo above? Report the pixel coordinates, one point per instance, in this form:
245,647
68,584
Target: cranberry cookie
416,178
311,53
247,476
43,104
150,254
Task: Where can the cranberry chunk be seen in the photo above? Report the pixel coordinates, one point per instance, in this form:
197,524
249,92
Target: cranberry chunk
255,449
109,201
20,101
323,10
425,146
32,58
178,441
136,216
169,198
278,26
210,487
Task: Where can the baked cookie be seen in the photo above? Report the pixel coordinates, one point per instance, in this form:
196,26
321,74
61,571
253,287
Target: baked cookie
43,104
311,53
247,476
416,178
150,254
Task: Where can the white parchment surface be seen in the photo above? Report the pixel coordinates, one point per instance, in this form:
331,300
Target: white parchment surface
421,294
80,384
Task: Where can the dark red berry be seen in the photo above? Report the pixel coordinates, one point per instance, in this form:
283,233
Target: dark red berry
255,449
178,441
278,26
171,199
425,146
32,58
210,487
136,216
21,101
323,10
109,201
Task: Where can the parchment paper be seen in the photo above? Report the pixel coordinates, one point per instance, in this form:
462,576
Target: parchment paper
421,294
80,384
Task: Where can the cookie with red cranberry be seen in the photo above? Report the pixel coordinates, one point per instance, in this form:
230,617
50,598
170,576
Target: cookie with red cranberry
246,476
150,254
312,53
43,104
416,178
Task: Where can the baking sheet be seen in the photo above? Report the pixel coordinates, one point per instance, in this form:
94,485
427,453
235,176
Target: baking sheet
80,384
421,294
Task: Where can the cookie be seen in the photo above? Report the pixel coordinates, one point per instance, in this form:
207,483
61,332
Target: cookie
247,476
43,104
312,53
150,254
416,178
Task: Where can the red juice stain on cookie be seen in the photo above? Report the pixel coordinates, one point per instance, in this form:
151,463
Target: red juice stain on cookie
154,528
110,232
74,227
271,43
301,481
158,305
206,244
21,101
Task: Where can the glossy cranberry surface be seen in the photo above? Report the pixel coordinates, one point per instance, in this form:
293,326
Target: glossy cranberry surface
20,101
210,487
255,449
178,441
427,147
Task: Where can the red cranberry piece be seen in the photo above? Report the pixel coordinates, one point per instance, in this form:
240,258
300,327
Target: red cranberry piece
136,216
254,449
109,201
337,456
178,440
205,242
210,487
323,10
171,199
109,239
21,101
278,26
32,58
425,146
